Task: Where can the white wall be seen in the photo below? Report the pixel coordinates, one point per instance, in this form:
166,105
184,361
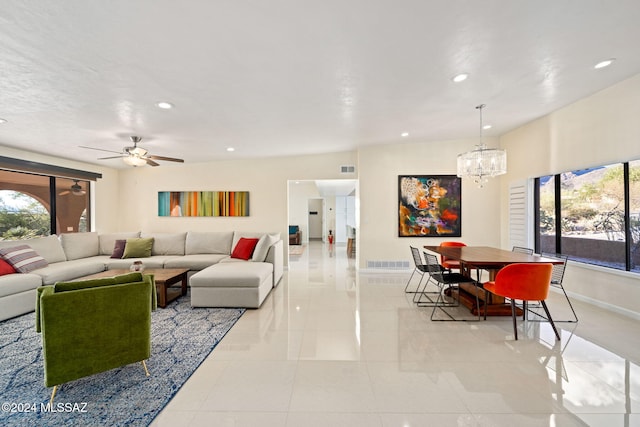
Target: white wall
299,193
266,180
601,129
379,167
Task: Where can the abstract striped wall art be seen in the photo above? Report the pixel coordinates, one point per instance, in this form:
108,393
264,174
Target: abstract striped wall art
203,203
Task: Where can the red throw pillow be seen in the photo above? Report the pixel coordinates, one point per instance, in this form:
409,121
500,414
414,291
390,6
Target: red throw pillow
244,248
6,268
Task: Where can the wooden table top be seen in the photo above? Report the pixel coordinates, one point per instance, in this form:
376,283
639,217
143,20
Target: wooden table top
485,255
159,274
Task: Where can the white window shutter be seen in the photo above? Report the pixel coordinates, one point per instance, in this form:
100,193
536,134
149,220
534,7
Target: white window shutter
521,214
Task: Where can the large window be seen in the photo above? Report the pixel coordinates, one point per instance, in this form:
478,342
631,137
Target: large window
40,200
591,215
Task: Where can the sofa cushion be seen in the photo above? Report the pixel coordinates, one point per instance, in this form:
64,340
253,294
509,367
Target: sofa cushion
244,248
18,283
6,268
48,247
118,248
208,242
232,275
80,245
108,241
195,262
23,258
167,243
70,270
138,248
262,248
157,261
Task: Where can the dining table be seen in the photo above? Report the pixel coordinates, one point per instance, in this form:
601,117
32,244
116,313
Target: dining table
490,259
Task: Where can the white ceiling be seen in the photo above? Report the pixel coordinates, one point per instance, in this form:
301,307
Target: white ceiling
286,77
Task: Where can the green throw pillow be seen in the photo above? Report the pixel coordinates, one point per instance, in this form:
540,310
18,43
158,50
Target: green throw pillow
138,248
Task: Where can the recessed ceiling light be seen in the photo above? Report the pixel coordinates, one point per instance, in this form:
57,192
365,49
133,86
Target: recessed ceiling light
604,64
230,149
460,77
404,134
165,105
3,121
486,127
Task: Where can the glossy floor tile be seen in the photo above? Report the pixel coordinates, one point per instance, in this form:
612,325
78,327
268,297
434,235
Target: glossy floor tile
330,347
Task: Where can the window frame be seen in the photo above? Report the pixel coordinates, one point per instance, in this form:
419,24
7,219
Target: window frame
52,172
558,219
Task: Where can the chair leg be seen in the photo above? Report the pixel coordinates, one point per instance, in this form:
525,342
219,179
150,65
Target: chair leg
486,303
409,281
146,371
53,395
575,316
417,294
546,310
513,315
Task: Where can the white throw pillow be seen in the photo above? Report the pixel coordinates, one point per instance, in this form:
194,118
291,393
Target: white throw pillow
262,248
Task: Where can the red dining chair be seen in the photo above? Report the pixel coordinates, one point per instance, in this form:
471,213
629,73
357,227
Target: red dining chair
451,264
525,282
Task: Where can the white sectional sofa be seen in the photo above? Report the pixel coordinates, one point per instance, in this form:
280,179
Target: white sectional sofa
73,255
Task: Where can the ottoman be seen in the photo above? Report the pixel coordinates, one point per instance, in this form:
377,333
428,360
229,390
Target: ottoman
232,284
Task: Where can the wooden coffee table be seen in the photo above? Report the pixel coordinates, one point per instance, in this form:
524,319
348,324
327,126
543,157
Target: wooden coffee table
164,278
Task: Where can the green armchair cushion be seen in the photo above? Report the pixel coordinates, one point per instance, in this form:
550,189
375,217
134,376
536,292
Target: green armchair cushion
92,283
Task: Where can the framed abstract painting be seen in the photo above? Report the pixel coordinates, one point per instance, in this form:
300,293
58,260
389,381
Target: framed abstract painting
203,203
429,206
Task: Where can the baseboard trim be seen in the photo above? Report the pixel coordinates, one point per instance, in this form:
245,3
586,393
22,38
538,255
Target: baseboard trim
610,307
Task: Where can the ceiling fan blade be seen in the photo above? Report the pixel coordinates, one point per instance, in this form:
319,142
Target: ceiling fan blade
151,162
168,159
112,157
64,193
100,149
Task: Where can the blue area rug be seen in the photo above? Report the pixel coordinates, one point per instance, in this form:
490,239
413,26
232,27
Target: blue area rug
182,337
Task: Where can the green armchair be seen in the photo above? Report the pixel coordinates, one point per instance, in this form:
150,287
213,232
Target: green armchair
95,325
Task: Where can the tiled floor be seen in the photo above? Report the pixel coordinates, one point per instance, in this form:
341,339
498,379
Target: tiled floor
332,348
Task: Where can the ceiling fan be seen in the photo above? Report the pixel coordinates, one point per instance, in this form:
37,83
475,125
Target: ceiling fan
75,189
135,156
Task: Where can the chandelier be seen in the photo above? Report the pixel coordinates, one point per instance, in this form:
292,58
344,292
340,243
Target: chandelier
482,162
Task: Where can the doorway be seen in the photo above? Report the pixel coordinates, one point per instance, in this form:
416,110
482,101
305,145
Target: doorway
318,207
316,219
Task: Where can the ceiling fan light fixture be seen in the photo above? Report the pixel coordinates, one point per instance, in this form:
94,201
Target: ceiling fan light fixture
137,151
134,161
75,189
